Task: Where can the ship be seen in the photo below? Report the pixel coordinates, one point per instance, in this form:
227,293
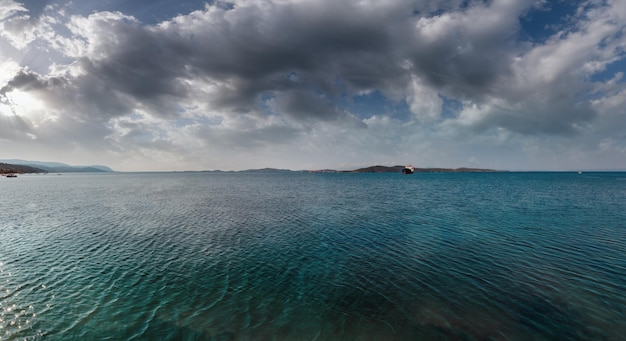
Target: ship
408,169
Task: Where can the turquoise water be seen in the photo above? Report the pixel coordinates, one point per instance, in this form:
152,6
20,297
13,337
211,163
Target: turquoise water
204,256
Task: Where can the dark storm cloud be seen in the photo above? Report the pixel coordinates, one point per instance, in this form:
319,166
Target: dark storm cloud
139,63
255,49
336,48
295,79
302,105
465,53
305,56
253,42
87,96
23,80
244,53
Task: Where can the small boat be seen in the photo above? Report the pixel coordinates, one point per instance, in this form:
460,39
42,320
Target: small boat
11,175
408,169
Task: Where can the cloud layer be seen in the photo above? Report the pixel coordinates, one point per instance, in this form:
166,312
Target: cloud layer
254,83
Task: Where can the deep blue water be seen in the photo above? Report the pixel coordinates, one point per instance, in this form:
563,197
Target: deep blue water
205,256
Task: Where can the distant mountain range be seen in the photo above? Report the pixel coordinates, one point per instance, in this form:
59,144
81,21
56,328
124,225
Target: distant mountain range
398,169
371,169
24,166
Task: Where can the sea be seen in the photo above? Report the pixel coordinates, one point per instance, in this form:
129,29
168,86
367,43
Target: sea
313,256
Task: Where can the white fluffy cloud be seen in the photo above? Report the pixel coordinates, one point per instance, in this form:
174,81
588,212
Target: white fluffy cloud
272,83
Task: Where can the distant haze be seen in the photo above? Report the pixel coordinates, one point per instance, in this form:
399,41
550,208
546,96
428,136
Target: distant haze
57,166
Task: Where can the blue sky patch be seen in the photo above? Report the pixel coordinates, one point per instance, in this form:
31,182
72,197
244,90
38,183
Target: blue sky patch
540,23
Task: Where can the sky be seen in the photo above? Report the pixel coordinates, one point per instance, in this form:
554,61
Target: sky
155,85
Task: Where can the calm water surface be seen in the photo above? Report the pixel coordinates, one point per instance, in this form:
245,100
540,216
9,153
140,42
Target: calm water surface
203,256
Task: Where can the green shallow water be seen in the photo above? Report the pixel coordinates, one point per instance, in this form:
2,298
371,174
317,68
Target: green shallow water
204,256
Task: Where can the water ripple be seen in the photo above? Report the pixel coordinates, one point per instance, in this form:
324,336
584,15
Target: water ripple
313,256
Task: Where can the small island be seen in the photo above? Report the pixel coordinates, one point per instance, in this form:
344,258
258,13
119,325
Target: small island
398,169
370,169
